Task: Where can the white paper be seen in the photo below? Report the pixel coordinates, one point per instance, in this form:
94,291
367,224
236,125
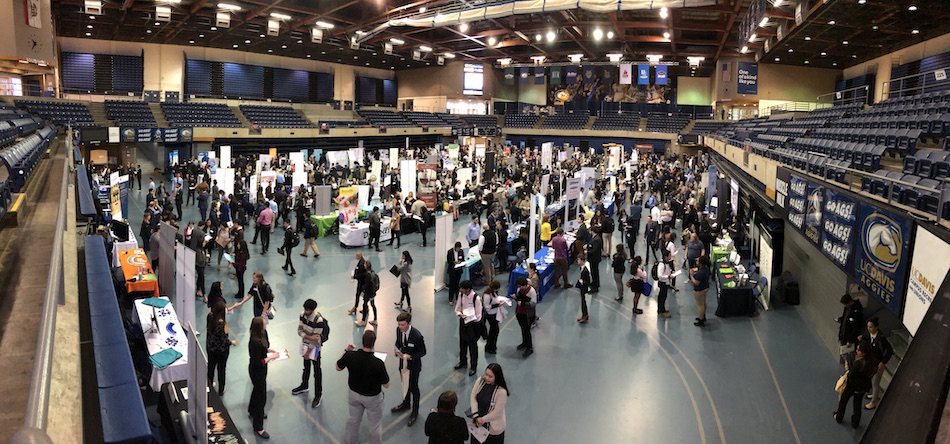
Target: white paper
281,355
380,355
468,314
479,433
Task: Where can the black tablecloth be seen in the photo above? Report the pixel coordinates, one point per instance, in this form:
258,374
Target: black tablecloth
169,411
735,301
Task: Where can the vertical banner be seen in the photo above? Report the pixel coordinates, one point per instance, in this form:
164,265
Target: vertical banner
394,157
115,196
797,189
185,280
124,194
570,77
348,203
837,234
444,240
225,178
781,191
555,78
509,76
322,198
525,73
589,76
661,74
813,213
613,162
607,73
225,158
626,74
880,256
928,269
643,74
428,180
726,72
539,75
166,268
748,78
407,177
547,149
33,14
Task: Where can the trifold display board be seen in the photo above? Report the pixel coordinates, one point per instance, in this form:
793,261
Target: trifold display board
443,242
864,239
197,387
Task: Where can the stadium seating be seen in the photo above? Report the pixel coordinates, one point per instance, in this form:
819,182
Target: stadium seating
60,113
344,123
617,122
565,121
130,113
21,158
424,119
10,131
274,116
489,122
379,117
666,124
521,120
209,115
707,126
452,120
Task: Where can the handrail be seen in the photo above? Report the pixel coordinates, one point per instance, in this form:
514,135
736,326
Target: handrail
844,101
37,405
886,93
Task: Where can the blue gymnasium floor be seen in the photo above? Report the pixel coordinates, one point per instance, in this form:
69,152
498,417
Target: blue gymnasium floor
619,378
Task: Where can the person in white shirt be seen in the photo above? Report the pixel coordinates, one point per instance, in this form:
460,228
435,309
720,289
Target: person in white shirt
655,212
470,325
664,271
590,200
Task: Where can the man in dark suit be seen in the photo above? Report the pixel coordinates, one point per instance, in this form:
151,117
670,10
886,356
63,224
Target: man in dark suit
410,348
454,257
595,249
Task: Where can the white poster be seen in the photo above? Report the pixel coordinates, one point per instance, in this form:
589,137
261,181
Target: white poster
185,280
547,149
225,161
394,156
33,14
463,175
545,179
616,151
573,187
480,151
113,133
376,170
734,201
626,74
355,156
265,162
225,178
337,158
115,196
928,269
443,242
407,177
765,268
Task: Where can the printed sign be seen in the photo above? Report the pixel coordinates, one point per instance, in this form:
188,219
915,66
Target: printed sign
539,75
797,194
748,78
626,74
643,74
940,74
813,212
525,74
571,75
928,269
661,74
781,191
837,234
880,256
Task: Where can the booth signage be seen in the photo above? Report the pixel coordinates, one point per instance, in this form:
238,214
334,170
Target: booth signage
928,269
797,189
837,233
880,257
813,213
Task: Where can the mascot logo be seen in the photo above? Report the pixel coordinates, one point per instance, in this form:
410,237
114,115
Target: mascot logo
883,241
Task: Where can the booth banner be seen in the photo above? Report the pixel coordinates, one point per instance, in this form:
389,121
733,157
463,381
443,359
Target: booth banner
547,149
355,156
225,158
124,194
545,181
463,175
928,269
357,234
782,179
348,204
407,177
574,187
428,183
340,158
444,240
748,78
813,213
268,179
115,196
448,164
837,233
453,149
880,257
225,178
797,189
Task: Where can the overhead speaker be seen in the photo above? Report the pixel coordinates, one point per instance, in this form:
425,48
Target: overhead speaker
416,55
388,48
163,13
223,20
440,60
354,44
92,7
273,28
316,35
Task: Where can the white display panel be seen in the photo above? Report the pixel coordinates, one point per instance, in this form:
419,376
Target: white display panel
928,269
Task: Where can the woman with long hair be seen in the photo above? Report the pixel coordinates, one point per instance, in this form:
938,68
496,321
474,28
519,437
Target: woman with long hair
545,229
395,226
260,354
261,294
443,426
637,281
487,401
619,264
405,280
218,343
241,255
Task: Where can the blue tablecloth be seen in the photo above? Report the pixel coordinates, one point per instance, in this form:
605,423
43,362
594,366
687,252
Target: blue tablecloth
546,273
608,203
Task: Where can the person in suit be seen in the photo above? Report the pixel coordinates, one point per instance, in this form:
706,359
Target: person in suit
595,249
410,348
469,327
651,234
526,298
454,257
880,353
584,285
850,325
858,383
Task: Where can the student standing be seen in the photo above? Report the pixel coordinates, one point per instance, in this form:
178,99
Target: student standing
218,344
699,276
410,348
880,353
619,265
469,325
261,294
595,250
526,298
453,258
395,224
291,240
260,355
367,378
583,284
358,273
858,383
490,298
241,255
664,271
443,426
313,331
370,287
638,280
405,280
487,401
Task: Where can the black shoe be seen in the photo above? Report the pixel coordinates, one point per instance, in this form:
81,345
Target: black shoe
700,323
620,300
837,418
490,352
316,402
263,434
400,408
471,372
528,352
300,389
521,346
412,419
459,365
284,267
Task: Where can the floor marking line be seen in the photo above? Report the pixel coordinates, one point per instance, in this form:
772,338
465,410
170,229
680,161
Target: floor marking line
778,388
310,417
422,399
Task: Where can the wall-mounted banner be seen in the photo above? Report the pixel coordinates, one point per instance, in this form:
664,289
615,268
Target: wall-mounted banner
539,75
643,74
814,207
748,78
570,76
428,180
797,194
509,76
525,74
837,233
589,75
33,15
661,74
626,74
555,75
928,269
880,256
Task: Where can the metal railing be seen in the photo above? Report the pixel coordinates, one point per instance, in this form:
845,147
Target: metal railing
846,96
924,80
788,107
37,405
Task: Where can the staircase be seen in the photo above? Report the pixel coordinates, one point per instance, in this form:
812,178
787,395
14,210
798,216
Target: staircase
159,115
539,123
98,112
688,127
237,112
590,122
643,124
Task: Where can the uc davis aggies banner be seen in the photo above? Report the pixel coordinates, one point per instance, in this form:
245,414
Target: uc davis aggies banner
880,257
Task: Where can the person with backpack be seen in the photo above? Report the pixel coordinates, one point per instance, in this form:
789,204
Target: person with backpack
310,232
291,240
370,287
651,234
607,228
314,331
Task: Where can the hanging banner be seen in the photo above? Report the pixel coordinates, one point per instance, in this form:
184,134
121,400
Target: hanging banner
797,189
525,73
748,78
547,149
813,213
348,203
928,269
837,234
539,75
570,76
880,256
607,73
33,14
555,75
407,177
782,178
589,76
643,74
509,76
626,74
124,193
661,74
428,180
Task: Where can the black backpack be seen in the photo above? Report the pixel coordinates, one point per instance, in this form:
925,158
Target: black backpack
325,333
294,238
655,272
607,226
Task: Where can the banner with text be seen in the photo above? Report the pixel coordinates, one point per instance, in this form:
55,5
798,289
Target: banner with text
928,269
643,74
837,234
880,257
748,78
813,213
797,189
661,74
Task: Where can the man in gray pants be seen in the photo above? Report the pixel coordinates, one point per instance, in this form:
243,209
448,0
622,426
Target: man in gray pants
366,380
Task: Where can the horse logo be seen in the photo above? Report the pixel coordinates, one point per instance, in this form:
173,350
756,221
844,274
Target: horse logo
883,241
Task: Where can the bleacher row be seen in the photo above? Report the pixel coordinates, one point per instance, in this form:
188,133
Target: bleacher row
666,124
565,121
21,158
60,113
617,122
215,115
130,113
274,116
11,130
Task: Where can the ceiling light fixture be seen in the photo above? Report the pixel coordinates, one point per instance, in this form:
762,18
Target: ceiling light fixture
806,62
283,46
396,41
654,58
551,36
844,42
831,22
537,59
425,48
834,63
278,15
262,35
229,7
861,2
214,28
764,21
752,37
916,31
448,55
744,49
504,62
308,56
664,13
248,42
791,50
360,32
201,36
234,45
463,27
192,42
824,53
492,41
325,25
89,26
777,59
88,34
614,58
807,39
598,34
270,50
158,23
666,35
299,42
422,10
912,8
538,37
610,34
777,3
148,31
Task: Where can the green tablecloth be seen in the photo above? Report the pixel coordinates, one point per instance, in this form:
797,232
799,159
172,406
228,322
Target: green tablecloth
719,252
324,222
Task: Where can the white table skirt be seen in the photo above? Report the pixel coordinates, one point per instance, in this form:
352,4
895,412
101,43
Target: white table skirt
118,246
156,342
357,235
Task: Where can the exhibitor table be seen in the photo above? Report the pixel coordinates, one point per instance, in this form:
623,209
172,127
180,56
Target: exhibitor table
170,334
357,234
544,259
137,271
175,401
734,299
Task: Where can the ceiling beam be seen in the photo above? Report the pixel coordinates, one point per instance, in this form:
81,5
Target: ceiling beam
729,25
